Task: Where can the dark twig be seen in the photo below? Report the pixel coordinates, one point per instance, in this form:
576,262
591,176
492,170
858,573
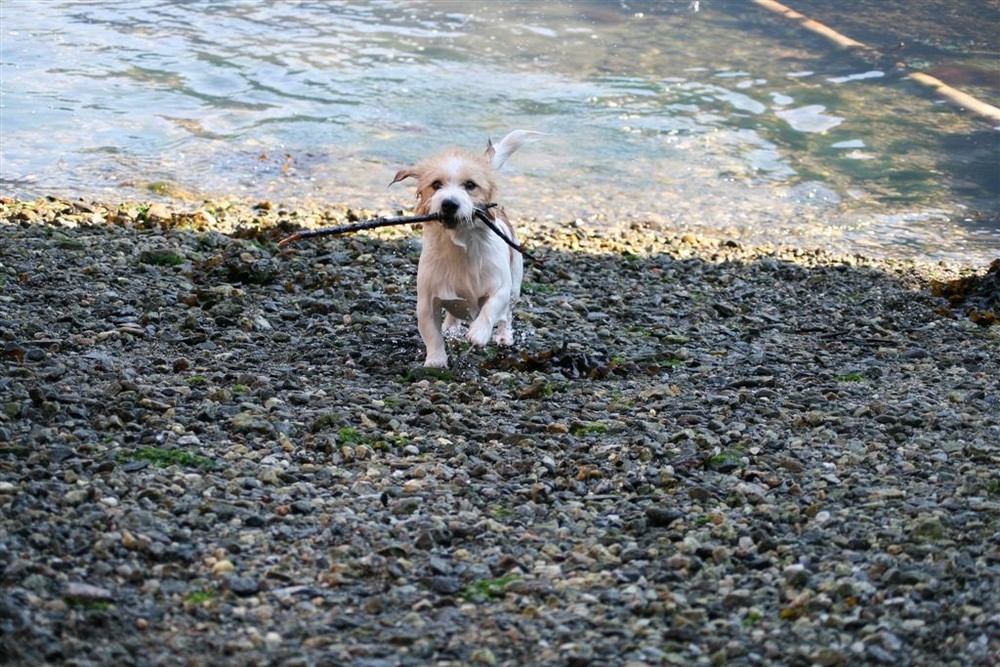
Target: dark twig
404,220
481,214
357,227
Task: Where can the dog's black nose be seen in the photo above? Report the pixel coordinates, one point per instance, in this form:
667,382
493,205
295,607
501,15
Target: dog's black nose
449,207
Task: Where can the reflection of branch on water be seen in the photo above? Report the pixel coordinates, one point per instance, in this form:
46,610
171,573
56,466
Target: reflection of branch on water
953,95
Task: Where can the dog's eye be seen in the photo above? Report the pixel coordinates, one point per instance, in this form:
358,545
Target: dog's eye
437,185
470,185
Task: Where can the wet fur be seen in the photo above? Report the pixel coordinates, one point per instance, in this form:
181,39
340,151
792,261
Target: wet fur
466,272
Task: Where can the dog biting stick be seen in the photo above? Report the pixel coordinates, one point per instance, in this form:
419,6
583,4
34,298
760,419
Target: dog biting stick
405,220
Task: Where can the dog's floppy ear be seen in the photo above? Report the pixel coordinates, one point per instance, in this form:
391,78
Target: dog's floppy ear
408,172
498,154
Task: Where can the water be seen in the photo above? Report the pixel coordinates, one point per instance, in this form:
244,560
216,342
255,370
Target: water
719,120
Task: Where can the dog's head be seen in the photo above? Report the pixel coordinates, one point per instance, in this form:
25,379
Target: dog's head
454,182
451,184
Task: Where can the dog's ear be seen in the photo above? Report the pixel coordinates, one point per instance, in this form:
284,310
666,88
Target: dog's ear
402,174
498,154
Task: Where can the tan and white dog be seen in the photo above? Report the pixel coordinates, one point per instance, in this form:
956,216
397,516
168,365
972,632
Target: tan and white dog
465,269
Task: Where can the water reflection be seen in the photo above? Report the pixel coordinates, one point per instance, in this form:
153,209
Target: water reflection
811,118
694,120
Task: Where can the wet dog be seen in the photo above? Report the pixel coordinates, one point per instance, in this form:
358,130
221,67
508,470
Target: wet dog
466,271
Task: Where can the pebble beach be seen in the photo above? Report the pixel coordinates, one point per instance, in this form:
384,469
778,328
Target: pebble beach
698,452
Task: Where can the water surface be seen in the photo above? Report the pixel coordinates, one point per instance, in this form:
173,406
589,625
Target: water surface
723,120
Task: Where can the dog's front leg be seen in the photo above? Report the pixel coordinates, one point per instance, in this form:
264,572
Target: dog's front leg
429,325
496,306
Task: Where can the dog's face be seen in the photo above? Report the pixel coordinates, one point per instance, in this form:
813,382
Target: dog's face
452,184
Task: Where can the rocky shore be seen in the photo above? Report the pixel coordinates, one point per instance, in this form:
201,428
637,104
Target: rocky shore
698,453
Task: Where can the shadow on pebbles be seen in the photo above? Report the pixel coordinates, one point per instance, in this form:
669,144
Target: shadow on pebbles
213,452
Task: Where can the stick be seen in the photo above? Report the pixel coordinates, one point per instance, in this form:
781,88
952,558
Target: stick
481,214
358,226
813,26
953,95
404,220
956,96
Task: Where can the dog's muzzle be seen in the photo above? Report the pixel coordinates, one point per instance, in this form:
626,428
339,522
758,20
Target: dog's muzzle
449,213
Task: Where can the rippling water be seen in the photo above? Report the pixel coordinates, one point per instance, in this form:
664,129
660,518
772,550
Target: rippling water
716,119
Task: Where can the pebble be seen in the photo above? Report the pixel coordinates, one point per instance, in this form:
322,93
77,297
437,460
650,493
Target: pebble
82,591
242,586
223,567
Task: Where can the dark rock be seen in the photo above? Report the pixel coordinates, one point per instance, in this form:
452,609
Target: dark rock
661,517
242,586
444,585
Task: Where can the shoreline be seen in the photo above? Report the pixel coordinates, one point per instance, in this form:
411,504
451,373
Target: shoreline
698,452
267,219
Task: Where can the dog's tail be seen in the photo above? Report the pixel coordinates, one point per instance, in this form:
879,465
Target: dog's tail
498,154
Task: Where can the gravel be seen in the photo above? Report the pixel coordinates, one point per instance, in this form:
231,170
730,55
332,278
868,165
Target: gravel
698,452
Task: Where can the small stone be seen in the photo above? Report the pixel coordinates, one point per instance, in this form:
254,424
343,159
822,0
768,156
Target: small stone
242,586
405,506
158,211
81,591
203,217
445,585
796,575
130,541
928,528
829,657
413,485
78,496
250,422
662,517
223,567
154,404
302,507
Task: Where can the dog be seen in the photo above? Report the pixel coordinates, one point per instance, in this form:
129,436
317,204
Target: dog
466,271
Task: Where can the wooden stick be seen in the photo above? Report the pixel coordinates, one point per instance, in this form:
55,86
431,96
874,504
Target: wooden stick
812,26
481,214
953,95
404,220
357,227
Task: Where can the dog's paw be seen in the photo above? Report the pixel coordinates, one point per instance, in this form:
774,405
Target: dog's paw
504,338
479,333
504,335
436,362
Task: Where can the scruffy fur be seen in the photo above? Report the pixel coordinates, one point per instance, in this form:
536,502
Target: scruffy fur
465,270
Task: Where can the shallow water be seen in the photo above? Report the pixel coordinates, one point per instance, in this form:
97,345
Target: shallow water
713,120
